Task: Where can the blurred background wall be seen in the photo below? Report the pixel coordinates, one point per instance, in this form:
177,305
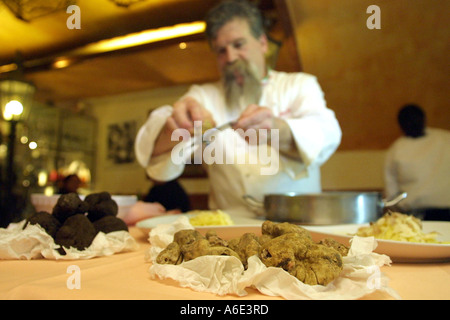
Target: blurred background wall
366,75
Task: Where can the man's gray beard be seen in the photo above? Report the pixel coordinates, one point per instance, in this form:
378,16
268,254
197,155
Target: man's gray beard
251,90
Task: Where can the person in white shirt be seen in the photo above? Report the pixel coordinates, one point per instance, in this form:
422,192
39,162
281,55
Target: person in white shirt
281,129
418,163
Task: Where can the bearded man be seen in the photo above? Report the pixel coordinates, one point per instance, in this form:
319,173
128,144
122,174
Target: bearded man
286,111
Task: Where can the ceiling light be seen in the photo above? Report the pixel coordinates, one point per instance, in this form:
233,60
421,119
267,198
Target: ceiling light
61,63
146,37
8,67
142,38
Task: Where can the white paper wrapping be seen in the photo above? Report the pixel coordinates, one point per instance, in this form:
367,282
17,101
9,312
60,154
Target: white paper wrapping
34,243
225,275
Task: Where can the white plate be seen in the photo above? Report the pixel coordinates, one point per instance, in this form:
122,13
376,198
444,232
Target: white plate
241,225
398,251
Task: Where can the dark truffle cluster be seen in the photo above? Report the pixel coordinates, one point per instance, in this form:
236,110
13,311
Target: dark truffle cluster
77,231
100,205
68,205
75,222
47,221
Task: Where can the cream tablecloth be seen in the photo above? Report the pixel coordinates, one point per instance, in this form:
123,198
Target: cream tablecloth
126,276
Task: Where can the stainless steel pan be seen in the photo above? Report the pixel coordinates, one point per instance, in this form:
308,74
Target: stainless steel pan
336,207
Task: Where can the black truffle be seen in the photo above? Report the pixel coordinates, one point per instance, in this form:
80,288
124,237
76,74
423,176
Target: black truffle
77,231
47,221
101,205
68,205
109,224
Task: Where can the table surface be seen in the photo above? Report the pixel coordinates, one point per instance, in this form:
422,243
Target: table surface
126,276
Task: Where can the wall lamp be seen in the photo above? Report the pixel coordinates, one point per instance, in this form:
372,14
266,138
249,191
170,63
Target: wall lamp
15,99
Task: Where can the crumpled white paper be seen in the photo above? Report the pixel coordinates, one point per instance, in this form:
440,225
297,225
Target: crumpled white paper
223,275
34,243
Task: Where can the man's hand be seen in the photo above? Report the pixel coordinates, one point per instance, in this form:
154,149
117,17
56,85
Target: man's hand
184,113
257,117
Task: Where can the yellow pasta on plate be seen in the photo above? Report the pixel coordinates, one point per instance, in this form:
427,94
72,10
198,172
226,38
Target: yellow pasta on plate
399,227
210,218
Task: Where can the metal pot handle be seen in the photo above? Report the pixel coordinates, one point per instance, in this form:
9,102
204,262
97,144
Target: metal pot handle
256,205
395,200
253,202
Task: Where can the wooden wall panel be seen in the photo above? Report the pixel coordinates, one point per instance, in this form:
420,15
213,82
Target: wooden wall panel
367,75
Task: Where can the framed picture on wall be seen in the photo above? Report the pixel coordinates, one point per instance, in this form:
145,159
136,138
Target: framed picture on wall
121,142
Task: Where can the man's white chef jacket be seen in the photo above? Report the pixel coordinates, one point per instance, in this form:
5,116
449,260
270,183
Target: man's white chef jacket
295,97
421,167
